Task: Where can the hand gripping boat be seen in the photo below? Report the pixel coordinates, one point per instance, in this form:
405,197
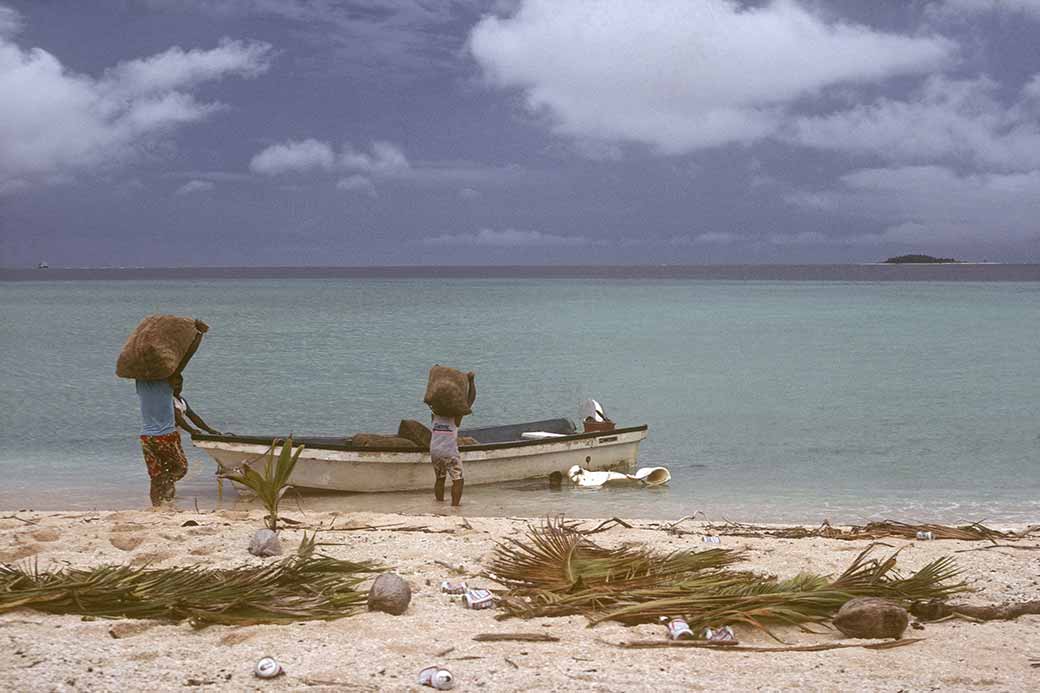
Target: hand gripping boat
504,453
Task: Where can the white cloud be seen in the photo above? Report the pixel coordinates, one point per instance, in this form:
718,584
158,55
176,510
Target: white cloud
195,186
507,238
915,204
969,8
55,122
293,156
1031,90
945,119
10,21
469,194
809,238
719,238
13,185
385,159
177,68
679,75
374,37
357,183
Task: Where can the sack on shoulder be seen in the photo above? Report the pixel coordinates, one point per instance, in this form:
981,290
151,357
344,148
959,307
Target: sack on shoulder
448,392
159,346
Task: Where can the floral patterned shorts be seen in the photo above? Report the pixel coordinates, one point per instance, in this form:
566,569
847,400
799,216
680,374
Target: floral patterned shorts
164,456
448,466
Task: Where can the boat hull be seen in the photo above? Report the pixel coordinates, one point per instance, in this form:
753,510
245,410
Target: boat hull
377,471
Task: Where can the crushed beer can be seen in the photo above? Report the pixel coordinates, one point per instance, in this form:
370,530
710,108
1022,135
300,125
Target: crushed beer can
925,536
268,668
454,589
678,628
436,677
724,634
712,540
479,599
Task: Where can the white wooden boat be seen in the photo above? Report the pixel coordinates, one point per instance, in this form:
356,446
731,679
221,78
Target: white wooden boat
504,454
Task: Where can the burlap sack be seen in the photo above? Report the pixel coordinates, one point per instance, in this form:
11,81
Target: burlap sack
157,347
450,392
416,432
377,441
466,440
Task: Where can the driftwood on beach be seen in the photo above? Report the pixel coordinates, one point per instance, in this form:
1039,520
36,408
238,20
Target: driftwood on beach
937,610
871,530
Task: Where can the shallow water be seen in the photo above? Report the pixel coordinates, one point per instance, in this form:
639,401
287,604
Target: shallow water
768,400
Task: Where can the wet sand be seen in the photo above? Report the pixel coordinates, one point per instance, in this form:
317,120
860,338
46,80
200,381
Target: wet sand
379,652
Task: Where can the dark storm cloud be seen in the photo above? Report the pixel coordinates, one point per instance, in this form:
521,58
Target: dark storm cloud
618,131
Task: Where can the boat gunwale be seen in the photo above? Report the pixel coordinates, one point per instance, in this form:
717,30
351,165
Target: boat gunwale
266,442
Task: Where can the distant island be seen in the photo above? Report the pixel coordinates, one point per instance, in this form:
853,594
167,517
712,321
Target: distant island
920,260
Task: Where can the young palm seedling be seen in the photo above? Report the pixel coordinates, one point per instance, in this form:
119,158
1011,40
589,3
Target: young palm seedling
274,482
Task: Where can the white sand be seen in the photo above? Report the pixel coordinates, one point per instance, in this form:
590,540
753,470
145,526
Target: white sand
375,651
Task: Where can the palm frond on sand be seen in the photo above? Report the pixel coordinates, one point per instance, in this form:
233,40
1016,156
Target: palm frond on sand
299,588
555,571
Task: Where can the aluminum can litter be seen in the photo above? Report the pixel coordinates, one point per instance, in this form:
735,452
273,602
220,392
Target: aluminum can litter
268,668
679,629
436,677
925,536
479,599
724,634
453,588
712,540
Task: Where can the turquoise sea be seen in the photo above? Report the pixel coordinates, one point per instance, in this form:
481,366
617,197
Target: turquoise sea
771,396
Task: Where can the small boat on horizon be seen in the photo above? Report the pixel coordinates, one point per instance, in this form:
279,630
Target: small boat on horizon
42,265
535,449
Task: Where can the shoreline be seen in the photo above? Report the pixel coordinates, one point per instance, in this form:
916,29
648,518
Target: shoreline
535,498
374,651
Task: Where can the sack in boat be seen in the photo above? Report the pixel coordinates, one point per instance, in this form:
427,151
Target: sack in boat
159,346
450,392
377,441
466,440
414,431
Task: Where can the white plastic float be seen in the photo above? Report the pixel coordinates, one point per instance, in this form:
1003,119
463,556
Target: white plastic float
647,476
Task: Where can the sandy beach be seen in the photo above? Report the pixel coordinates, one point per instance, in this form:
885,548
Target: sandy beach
376,651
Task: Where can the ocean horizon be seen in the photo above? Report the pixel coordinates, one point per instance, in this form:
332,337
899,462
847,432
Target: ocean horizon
867,271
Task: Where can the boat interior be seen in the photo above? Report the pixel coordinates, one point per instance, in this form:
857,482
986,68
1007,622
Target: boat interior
487,435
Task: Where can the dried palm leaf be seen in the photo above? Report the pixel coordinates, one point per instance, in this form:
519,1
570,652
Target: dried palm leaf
557,571
299,588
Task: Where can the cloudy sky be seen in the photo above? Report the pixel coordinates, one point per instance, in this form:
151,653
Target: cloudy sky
398,132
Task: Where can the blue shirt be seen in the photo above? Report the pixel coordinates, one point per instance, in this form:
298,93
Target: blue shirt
156,407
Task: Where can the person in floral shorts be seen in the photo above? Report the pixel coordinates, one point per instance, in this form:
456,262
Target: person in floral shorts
160,441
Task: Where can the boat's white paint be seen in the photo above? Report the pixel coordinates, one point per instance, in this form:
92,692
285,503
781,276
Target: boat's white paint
368,471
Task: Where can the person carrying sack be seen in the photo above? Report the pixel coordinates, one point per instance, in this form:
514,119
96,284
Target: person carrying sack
149,359
450,395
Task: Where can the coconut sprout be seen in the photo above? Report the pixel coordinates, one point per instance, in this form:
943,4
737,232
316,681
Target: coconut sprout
274,482
556,571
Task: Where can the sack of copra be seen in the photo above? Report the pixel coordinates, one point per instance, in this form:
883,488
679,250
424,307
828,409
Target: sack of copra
416,432
159,347
379,441
450,392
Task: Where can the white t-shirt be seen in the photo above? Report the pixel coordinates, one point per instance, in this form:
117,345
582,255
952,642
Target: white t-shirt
444,437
